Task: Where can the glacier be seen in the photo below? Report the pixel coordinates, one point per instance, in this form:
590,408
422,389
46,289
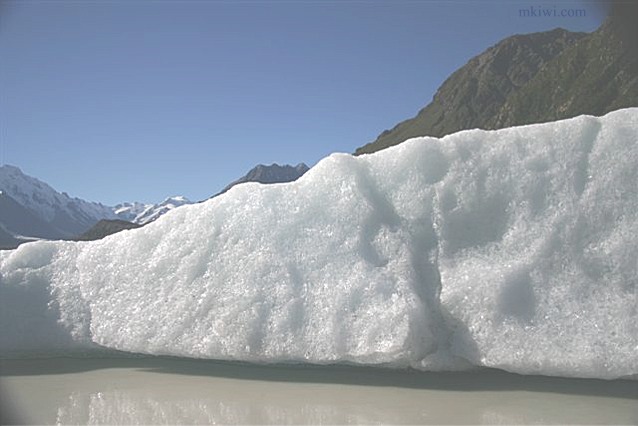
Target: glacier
514,249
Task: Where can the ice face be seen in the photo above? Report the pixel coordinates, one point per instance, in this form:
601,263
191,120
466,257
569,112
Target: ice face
513,249
550,285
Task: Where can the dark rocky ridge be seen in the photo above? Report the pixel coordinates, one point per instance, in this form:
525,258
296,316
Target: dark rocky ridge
269,174
106,227
597,75
528,79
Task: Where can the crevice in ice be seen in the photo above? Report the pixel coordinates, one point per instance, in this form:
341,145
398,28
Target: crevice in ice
454,347
382,216
581,172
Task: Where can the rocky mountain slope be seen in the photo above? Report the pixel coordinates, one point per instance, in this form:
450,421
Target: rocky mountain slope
32,208
7,240
106,227
270,174
529,79
597,75
17,220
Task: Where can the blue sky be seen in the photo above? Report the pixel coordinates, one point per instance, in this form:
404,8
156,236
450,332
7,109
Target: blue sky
137,100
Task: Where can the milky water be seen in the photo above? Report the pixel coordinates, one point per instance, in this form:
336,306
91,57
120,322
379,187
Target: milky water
515,249
154,390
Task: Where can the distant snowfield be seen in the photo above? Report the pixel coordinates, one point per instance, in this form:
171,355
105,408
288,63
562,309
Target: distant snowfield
515,249
145,213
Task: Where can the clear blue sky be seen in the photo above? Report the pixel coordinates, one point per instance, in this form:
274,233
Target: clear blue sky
137,100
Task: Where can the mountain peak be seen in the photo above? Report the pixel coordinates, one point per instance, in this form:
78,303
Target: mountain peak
273,173
64,215
11,169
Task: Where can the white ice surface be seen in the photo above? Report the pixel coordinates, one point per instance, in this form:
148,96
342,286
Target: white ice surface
515,249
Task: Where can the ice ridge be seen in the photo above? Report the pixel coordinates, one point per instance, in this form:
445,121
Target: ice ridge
513,249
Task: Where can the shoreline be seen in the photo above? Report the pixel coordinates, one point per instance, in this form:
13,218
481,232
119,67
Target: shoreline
155,390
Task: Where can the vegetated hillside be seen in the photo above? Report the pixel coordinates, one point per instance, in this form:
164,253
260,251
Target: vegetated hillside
106,227
528,79
595,76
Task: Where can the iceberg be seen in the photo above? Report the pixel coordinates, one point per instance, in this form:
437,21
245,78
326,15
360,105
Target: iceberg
514,249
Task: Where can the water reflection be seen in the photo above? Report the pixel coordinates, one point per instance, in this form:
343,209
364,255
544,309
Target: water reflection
191,392
123,408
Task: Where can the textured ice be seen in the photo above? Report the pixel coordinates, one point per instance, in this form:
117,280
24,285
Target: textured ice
515,249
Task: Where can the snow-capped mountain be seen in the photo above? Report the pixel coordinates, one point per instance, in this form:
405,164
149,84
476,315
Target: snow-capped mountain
31,209
142,214
19,221
129,211
63,215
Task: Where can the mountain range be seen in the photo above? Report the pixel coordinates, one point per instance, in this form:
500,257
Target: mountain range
142,214
31,209
532,78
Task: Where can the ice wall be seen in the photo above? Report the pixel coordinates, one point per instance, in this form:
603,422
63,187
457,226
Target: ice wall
514,249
